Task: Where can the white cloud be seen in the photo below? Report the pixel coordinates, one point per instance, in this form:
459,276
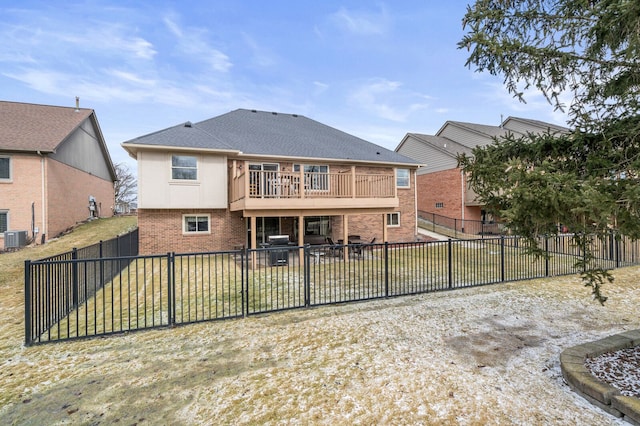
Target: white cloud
260,55
387,99
193,44
319,87
129,77
361,23
535,106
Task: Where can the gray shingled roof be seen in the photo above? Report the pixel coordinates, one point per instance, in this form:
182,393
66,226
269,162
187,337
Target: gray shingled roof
447,145
263,133
486,130
33,127
542,124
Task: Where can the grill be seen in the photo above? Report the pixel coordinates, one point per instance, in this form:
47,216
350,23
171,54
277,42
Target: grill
278,256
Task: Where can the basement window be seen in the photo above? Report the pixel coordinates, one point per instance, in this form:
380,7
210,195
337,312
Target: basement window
393,219
195,224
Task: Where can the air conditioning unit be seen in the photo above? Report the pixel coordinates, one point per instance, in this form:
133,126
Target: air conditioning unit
15,239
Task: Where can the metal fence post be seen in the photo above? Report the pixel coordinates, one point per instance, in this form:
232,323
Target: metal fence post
450,262
307,275
28,338
74,276
101,266
386,269
502,258
546,257
248,262
171,295
243,278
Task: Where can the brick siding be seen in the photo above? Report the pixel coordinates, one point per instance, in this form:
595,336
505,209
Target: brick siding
161,231
66,196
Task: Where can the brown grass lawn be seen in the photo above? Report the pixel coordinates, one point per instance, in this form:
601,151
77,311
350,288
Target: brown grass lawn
485,355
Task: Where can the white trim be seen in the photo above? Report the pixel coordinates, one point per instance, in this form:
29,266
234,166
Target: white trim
389,215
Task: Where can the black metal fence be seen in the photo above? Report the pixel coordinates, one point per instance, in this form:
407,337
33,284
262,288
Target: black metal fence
68,280
460,228
69,298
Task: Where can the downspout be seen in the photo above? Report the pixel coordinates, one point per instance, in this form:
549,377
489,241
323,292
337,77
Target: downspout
415,201
462,188
43,231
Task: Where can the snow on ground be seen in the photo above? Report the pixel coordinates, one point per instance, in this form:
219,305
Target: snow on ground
621,369
478,356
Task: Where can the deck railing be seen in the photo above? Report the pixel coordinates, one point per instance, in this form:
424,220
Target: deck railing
276,184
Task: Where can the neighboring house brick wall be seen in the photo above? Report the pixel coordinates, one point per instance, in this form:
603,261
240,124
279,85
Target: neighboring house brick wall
444,187
68,191
24,189
441,187
161,231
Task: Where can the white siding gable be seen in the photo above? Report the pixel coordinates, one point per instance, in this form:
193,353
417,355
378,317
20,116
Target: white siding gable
157,190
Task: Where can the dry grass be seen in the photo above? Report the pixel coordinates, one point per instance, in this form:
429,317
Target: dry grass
486,355
12,270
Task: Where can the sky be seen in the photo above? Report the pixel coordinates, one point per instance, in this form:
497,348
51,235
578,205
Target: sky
374,69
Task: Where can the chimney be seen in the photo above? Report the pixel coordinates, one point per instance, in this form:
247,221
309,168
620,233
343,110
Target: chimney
77,104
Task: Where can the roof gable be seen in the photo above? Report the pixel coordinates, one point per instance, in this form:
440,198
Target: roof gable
32,127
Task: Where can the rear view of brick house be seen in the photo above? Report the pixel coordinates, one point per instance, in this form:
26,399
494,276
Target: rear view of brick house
240,178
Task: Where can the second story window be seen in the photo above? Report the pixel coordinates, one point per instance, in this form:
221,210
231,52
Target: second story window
402,178
5,168
184,167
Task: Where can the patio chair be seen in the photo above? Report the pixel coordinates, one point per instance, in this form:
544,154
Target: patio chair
334,249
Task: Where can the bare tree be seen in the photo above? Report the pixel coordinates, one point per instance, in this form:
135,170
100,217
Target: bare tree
126,187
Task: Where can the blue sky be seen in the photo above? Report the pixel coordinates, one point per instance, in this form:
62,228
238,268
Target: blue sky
375,69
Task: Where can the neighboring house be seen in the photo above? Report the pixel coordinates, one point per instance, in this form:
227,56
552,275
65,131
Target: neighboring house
442,186
55,170
239,178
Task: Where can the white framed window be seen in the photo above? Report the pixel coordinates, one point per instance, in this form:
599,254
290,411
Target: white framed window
4,221
184,167
316,176
393,219
5,168
403,178
439,205
196,224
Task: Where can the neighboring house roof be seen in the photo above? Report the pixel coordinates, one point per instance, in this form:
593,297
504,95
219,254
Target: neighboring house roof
439,152
541,125
481,129
32,127
269,134
445,145
44,129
